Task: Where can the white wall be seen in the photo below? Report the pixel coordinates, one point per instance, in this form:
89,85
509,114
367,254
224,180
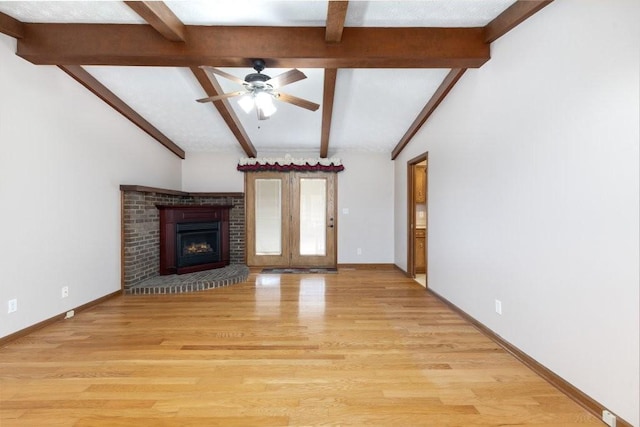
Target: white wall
212,172
64,154
365,188
533,195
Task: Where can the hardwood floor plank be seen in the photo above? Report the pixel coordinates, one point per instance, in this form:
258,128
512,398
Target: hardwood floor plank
354,348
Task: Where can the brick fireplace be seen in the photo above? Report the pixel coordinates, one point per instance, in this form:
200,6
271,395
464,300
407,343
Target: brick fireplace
141,227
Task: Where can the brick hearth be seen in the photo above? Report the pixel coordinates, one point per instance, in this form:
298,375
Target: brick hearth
192,282
141,227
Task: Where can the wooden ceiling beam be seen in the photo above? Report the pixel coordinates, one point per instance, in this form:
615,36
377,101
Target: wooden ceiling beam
330,76
281,47
512,17
161,18
83,77
336,16
11,26
445,87
212,88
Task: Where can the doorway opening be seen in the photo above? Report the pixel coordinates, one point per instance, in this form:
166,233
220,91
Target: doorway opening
417,218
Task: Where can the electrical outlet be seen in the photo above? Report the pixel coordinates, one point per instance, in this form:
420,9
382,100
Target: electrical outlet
608,418
65,291
359,251
12,306
498,306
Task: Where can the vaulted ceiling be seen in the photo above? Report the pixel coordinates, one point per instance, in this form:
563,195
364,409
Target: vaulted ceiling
378,69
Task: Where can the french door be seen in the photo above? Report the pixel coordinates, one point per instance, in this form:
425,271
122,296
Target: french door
291,219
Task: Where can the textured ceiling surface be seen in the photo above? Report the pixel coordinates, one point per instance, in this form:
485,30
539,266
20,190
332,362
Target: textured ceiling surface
376,13
166,96
89,12
373,108
377,106
426,13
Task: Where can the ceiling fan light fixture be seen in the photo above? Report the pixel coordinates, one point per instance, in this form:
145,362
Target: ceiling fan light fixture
246,103
264,101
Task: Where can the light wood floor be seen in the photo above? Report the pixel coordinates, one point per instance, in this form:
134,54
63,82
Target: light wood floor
353,348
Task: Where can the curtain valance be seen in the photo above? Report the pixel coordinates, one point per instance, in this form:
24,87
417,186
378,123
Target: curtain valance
288,163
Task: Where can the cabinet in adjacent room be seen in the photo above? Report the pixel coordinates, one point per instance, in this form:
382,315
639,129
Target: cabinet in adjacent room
420,251
420,184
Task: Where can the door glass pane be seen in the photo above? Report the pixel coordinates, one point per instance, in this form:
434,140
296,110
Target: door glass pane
313,221
268,216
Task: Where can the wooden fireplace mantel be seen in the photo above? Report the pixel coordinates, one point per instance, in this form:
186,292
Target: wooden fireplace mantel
164,191
171,215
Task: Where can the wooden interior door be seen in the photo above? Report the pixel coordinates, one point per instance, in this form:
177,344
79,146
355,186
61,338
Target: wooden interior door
291,219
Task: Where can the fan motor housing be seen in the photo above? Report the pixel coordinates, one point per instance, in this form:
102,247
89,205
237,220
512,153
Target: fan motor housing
256,77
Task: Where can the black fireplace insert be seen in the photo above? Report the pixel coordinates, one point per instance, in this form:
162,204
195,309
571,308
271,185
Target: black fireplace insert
197,243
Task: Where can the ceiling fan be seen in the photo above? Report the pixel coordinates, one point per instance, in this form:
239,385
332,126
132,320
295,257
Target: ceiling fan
260,90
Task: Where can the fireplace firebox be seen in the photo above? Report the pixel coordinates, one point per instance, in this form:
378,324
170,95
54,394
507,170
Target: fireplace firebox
197,243
193,238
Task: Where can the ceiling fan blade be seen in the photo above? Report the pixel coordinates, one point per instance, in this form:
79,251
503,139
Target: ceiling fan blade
223,74
298,101
286,78
223,96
